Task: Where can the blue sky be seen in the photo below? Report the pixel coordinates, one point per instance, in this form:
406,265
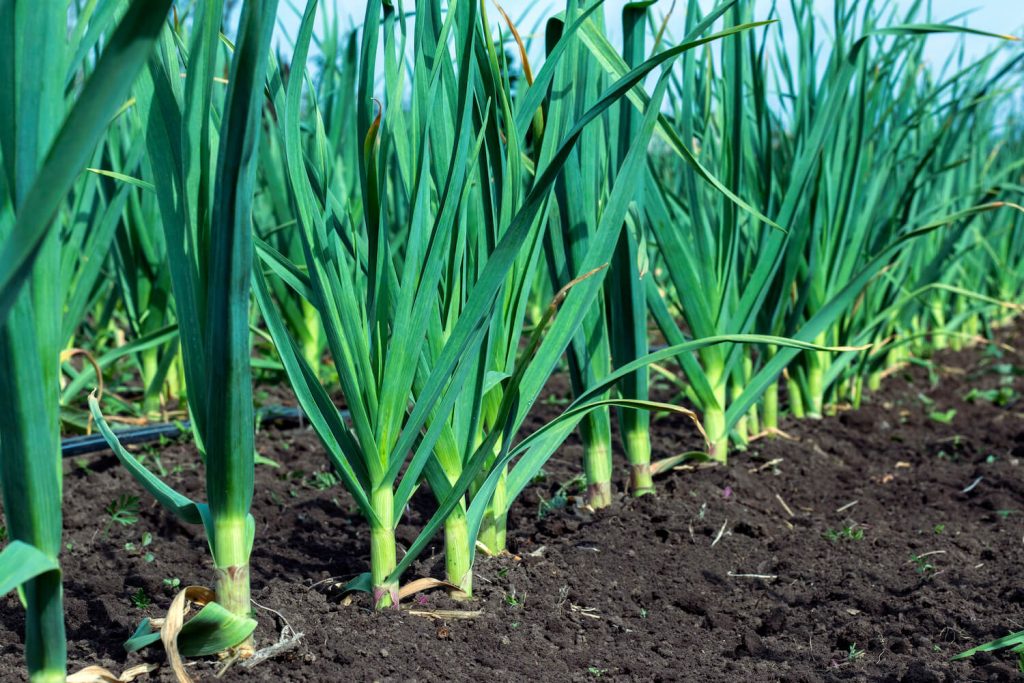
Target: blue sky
1002,16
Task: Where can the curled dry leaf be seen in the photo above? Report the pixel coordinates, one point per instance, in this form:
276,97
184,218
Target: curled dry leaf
424,584
97,674
174,621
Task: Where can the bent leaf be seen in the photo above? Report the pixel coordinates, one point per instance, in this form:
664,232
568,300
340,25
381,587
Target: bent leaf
21,562
181,506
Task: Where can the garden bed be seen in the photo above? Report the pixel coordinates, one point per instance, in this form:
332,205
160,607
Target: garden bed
871,545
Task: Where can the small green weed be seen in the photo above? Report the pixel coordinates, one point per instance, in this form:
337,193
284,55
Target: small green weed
848,532
921,564
144,542
123,510
140,600
322,481
1003,396
513,599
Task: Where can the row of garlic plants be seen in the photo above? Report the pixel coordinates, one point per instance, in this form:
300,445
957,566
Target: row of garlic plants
425,220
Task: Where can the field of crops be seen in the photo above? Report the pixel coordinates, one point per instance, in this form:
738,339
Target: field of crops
674,342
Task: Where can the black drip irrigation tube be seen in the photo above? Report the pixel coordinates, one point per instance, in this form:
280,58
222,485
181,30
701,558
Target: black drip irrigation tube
92,443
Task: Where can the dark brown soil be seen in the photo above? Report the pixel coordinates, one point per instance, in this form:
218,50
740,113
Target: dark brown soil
730,574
